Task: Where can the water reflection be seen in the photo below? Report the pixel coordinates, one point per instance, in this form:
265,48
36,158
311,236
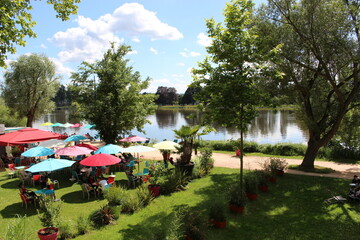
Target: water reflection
267,127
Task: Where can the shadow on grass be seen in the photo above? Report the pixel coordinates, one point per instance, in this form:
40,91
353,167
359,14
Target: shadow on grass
295,200
77,197
12,210
11,184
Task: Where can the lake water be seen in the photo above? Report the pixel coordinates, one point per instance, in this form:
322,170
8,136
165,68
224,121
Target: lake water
267,127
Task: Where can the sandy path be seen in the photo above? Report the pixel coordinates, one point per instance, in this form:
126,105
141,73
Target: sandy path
253,162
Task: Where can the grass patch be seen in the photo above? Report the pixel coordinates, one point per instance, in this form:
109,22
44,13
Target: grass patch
317,169
278,207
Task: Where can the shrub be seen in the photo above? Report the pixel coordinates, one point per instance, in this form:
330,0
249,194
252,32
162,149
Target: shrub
237,195
83,224
204,163
103,216
49,212
174,181
65,229
251,147
114,195
144,195
217,212
17,229
131,202
251,182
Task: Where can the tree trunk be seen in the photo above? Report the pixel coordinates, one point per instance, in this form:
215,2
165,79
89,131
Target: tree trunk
311,152
30,119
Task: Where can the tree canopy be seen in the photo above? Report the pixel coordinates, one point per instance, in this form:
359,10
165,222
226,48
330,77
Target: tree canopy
17,24
109,94
228,75
316,49
29,86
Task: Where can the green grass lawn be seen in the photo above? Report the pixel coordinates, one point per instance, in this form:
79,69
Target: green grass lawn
292,209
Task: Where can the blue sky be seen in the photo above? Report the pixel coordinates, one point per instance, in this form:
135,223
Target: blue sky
167,37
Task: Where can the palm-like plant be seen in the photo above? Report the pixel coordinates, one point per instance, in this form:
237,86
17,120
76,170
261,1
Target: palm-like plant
188,134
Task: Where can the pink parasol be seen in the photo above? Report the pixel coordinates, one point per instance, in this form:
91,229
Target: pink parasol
101,159
133,139
76,125
73,151
87,146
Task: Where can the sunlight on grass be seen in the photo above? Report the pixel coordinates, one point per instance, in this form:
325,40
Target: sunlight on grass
277,211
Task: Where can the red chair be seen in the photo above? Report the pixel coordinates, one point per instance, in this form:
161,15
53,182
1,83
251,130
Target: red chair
35,178
111,180
25,200
11,166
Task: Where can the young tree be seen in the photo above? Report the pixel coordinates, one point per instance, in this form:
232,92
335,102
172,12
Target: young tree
227,77
29,86
16,22
109,94
317,48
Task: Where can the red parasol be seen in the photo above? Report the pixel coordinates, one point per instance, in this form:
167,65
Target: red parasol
87,146
133,139
101,159
28,135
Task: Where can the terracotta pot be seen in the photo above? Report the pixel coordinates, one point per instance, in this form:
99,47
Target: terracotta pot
51,236
272,179
263,188
251,196
236,209
280,173
218,224
154,189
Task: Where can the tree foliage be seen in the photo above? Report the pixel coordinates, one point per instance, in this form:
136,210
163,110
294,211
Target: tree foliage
188,97
228,75
9,118
63,96
167,96
109,95
316,45
17,24
29,86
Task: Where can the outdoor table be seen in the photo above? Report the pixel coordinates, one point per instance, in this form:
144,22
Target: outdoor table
20,167
141,174
45,191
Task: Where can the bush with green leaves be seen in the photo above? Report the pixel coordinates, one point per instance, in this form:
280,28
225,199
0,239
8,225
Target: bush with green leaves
49,212
217,212
83,224
251,182
103,216
204,163
237,195
174,181
283,149
131,202
144,195
65,229
17,229
114,195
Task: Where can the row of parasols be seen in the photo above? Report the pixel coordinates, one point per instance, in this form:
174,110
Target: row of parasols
101,157
66,125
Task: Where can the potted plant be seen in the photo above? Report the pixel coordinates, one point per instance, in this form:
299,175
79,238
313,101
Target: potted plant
262,177
251,183
188,135
156,172
49,214
269,169
217,215
278,166
237,200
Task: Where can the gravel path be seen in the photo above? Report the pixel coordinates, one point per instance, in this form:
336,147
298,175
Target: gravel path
253,162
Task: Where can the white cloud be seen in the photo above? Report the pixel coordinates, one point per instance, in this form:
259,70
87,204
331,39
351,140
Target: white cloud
43,46
61,68
153,50
132,52
188,53
181,64
203,40
91,38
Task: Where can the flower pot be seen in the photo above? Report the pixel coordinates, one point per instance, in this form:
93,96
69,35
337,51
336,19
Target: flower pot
236,209
48,233
251,196
280,173
154,189
218,224
263,188
272,179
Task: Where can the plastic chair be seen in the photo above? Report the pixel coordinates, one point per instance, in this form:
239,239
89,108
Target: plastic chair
147,164
175,140
25,200
17,161
146,171
87,189
111,180
131,164
35,178
11,166
132,181
9,172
